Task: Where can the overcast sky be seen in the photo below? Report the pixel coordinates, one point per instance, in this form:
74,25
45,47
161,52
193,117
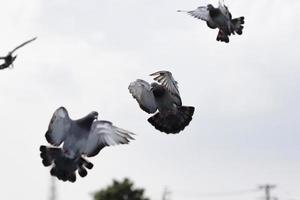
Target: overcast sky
245,130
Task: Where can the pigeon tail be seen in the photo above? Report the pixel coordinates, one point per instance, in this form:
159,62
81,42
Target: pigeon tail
64,168
49,154
172,123
84,162
238,25
223,37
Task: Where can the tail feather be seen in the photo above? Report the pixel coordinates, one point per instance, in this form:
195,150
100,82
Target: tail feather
173,123
49,154
84,162
63,168
82,171
223,37
238,25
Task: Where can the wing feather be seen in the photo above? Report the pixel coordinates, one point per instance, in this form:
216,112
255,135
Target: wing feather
199,13
224,9
23,44
104,133
166,79
58,127
141,91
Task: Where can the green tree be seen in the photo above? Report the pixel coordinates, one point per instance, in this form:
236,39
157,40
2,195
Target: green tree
124,190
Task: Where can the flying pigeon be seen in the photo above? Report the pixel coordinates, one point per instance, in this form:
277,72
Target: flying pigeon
172,117
81,138
219,18
9,58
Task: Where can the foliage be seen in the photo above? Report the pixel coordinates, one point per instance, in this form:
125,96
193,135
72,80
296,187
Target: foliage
120,191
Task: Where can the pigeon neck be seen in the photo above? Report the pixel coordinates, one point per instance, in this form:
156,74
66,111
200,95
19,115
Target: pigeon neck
86,122
214,12
158,91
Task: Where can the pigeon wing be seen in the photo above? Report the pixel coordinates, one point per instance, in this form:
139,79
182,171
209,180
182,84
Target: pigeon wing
23,44
199,13
58,127
166,79
104,133
224,9
141,91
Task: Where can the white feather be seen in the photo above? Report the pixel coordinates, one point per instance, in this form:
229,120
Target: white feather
106,134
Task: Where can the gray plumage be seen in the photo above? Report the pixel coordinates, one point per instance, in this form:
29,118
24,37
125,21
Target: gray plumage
171,117
79,138
219,18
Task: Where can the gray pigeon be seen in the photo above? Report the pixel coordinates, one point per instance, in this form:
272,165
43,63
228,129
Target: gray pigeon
80,138
171,117
9,59
219,18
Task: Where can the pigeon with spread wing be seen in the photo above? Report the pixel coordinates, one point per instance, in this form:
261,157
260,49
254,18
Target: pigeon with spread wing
172,117
219,18
80,138
9,58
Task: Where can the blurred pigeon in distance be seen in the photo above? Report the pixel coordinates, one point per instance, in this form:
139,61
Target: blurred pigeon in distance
80,138
171,117
219,18
9,58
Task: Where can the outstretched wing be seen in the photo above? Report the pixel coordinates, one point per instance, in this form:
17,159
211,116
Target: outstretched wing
224,9
104,133
166,79
23,44
141,91
200,13
58,127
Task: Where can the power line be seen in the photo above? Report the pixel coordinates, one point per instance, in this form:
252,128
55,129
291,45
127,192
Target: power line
231,193
219,194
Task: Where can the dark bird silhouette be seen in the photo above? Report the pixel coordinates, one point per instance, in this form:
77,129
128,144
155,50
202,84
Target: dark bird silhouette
9,58
80,138
219,18
172,116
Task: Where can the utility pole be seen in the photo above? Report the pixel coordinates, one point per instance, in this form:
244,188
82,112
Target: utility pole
267,188
52,189
166,194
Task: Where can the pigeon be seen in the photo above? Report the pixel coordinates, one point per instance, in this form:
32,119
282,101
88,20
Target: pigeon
80,138
9,58
219,18
172,117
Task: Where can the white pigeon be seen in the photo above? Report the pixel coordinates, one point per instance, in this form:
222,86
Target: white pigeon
80,138
219,18
171,117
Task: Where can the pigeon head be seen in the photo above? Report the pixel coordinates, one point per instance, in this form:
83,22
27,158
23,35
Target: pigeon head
93,115
87,121
158,90
210,7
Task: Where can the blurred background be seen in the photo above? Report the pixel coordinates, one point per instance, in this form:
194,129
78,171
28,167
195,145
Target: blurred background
245,132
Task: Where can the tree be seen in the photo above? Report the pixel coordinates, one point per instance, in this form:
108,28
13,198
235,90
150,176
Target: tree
120,191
